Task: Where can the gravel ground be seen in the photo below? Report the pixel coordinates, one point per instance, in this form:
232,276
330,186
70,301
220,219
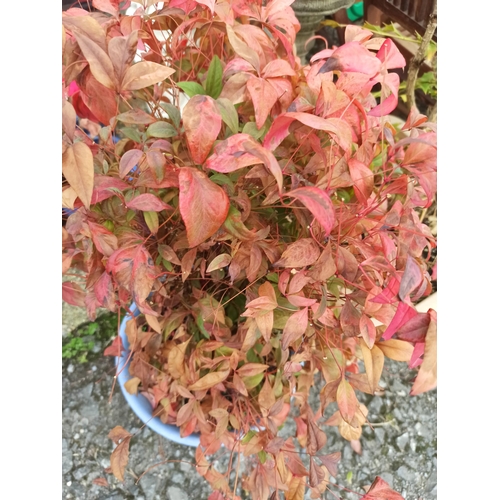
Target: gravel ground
401,448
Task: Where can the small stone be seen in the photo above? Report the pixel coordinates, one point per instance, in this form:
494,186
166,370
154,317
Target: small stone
178,478
387,477
402,441
380,434
76,436
186,467
68,483
405,473
174,493
70,368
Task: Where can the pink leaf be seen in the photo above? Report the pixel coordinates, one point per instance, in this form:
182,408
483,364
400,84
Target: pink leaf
202,123
404,313
388,105
209,3
367,329
412,277
147,202
229,155
203,205
363,179
269,160
427,374
416,355
73,294
353,57
390,56
263,97
277,68
129,160
389,293
319,204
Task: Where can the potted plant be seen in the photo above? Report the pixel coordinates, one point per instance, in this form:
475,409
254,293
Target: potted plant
260,215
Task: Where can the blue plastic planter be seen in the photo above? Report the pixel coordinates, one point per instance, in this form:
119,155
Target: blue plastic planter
139,404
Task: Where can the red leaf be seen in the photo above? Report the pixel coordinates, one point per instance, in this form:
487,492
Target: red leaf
415,329
295,327
203,205
121,50
404,313
388,295
380,490
100,100
104,291
319,204
147,202
115,349
412,277
316,473
279,129
202,123
101,481
73,294
263,97
142,278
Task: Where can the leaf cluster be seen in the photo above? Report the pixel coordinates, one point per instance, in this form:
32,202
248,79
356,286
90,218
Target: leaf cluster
260,214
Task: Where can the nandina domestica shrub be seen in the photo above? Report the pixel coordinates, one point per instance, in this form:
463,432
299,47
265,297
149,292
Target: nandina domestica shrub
262,215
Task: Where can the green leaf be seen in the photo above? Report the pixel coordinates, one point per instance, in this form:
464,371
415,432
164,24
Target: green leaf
249,435
228,113
250,128
152,222
252,382
173,113
162,130
223,180
262,456
132,133
191,88
213,83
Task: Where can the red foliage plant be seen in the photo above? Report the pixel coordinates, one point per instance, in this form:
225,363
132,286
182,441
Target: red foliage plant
261,215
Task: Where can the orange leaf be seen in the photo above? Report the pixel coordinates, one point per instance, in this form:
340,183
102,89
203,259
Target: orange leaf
427,375
374,364
295,327
99,62
78,168
296,488
209,380
143,74
263,97
398,350
69,120
347,401
119,458
301,253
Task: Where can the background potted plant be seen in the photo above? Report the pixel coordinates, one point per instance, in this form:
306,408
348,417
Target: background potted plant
261,228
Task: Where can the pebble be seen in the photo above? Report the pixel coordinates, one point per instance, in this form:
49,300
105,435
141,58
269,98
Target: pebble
174,493
402,441
405,473
70,368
